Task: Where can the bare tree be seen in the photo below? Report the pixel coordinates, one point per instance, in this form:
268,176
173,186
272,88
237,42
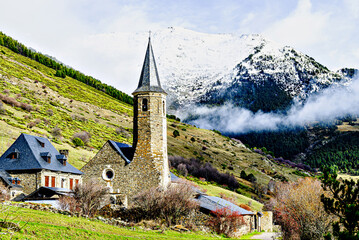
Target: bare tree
298,209
90,196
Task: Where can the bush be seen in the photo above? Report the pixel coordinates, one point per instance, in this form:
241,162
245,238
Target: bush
78,142
87,198
204,170
56,132
176,133
298,209
4,193
84,136
2,108
49,112
226,222
169,205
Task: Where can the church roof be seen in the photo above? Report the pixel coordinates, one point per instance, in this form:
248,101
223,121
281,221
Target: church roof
31,153
149,80
126,151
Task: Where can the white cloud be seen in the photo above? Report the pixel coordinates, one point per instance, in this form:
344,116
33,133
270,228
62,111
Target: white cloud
323,107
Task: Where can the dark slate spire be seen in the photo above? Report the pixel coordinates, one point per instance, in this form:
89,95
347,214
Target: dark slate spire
149,80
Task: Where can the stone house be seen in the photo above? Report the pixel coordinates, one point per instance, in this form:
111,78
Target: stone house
35,162
10,183
125,169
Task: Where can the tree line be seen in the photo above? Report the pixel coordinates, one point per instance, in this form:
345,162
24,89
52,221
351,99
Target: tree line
61,69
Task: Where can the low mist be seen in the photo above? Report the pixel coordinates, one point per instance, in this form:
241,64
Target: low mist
327,105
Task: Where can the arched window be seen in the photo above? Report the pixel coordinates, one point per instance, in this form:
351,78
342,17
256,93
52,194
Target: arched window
164,108
144,105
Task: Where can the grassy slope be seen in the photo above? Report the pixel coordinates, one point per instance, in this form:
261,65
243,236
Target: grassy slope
77,107
47,225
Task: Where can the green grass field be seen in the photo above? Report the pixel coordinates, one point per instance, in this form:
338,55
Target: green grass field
47,225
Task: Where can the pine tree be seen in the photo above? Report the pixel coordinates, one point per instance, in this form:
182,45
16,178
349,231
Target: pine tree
344,203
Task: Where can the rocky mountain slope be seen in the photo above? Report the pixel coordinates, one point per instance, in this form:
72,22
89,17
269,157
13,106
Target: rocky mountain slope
245,70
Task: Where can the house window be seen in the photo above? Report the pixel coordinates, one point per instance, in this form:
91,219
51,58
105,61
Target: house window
49,159
76,182
71,183
144,104
42,144
13,155
47,178
164,109
53,181
62,182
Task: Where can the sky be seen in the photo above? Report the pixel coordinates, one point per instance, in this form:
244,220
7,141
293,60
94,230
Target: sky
68,30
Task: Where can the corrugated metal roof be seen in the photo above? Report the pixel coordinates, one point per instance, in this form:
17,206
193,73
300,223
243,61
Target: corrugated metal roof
149,80
214,203
31,149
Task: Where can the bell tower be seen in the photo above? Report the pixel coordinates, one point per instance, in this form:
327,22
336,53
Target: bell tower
150,125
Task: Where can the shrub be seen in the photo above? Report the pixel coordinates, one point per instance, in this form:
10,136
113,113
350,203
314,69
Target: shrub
193,139
224,221
298,209
49,112
84,136
78,142
176,133
56,132
26,106
31,124
123,132
4,193
2,108
168,205
182,169
69,203
198,169
87,198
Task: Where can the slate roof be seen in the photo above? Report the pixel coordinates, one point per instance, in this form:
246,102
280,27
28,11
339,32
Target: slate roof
6,178
214,203
32,153
126,151
149,80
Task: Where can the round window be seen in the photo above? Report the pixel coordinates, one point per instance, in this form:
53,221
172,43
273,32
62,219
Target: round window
108,174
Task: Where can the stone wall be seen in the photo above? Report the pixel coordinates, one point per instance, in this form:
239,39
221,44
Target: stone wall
149,166
32,181
150,130
267,222
247,227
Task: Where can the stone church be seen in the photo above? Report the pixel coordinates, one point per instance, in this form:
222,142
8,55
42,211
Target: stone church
126,169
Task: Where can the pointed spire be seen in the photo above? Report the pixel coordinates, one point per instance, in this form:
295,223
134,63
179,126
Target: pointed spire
149,80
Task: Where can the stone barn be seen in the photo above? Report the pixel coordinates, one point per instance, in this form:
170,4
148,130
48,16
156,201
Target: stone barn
125,169
34,162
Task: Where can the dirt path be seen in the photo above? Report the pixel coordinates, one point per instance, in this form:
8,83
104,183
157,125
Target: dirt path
266,236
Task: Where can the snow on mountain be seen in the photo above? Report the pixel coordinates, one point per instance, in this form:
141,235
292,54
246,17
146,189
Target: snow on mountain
217,68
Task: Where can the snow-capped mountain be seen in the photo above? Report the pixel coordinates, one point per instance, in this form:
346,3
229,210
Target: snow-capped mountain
246,70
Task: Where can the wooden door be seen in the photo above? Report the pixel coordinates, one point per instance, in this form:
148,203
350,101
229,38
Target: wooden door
71,183
53,181
47,181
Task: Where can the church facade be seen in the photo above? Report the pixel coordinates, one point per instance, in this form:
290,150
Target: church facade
128,170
